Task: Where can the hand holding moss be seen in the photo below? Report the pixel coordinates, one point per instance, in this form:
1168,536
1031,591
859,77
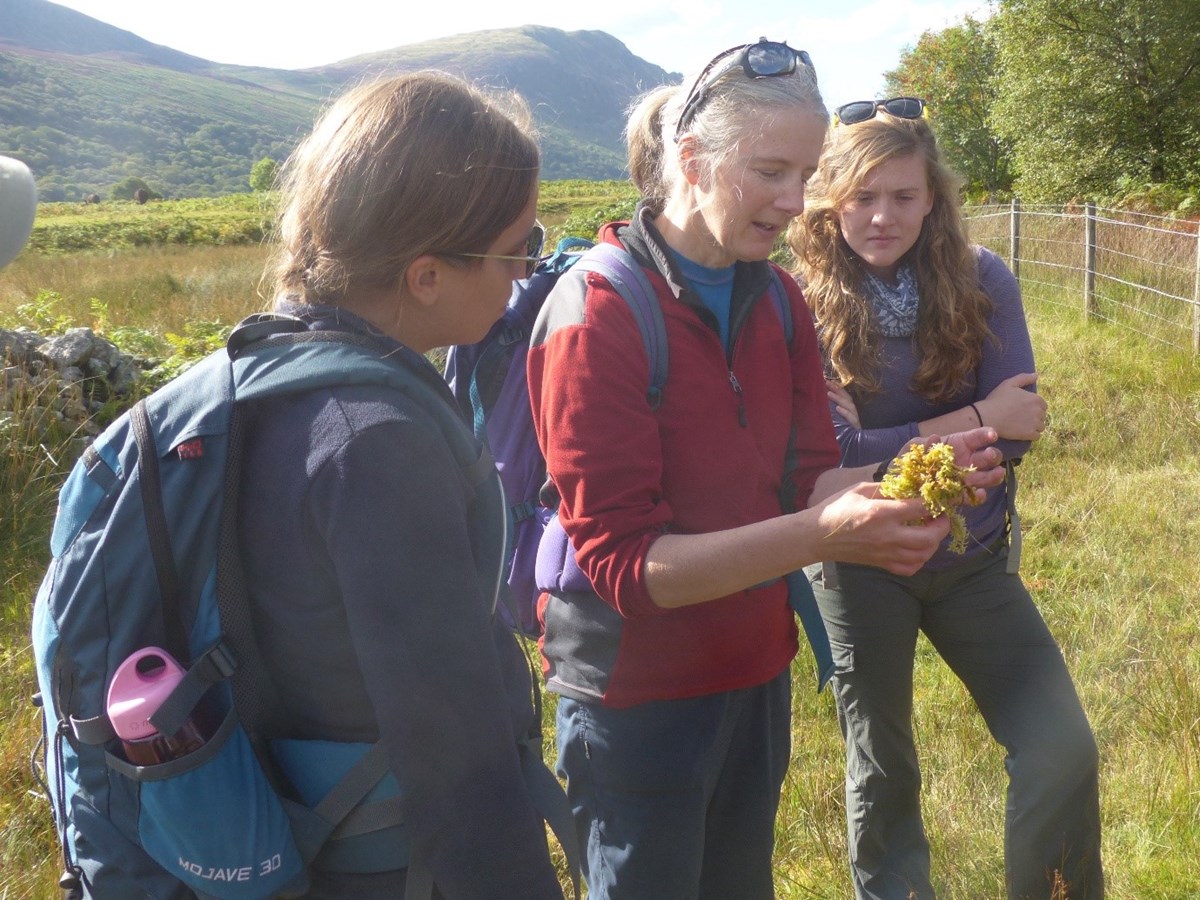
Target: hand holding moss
929,472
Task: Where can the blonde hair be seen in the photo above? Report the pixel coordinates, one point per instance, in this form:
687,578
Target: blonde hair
952,318
735,105
395,169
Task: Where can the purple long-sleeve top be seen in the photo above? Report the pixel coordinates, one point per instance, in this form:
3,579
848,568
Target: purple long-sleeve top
889,417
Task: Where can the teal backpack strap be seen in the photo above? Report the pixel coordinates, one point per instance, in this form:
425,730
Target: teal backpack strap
254,697
804,604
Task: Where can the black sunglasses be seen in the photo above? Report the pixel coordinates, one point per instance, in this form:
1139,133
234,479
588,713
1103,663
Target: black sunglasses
861,110
766,59
533,245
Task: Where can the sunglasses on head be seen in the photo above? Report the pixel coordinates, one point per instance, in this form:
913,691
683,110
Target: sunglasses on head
533,245
766,59
861,110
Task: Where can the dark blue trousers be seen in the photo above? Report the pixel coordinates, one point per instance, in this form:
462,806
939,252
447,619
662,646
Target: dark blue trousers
677,798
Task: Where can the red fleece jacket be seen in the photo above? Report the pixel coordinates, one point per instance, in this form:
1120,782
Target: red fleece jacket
712,456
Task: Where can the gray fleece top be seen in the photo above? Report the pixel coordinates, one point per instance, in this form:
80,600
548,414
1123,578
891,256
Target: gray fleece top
373,620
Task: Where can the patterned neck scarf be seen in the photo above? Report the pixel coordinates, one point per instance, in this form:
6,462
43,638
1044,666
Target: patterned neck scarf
895,305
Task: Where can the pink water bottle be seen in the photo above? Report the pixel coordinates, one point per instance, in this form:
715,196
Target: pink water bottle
138,688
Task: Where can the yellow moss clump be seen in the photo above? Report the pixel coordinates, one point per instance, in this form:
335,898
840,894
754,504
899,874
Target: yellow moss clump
931,474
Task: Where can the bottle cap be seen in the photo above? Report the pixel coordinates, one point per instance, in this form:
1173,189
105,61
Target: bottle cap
138,688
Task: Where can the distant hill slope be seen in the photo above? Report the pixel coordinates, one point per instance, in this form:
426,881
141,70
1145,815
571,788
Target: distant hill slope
86,104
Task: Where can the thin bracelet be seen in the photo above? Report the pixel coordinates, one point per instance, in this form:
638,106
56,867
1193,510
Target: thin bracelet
975,409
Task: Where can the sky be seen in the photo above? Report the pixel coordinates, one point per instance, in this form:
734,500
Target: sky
852,42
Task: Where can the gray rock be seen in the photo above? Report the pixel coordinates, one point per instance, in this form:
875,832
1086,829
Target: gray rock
71,349
18,346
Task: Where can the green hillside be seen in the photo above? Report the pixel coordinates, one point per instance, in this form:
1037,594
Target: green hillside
82,124
86,105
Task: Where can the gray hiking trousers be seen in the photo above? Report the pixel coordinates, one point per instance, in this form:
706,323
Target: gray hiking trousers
984,624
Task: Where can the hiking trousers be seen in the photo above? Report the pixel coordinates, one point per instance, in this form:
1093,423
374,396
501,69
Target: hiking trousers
676,799
984,624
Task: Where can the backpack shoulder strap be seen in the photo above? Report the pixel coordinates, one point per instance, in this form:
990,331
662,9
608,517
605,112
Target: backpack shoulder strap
783,308
477,372
150,482
622,271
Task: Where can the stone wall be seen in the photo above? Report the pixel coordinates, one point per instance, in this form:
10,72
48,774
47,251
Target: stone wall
69,379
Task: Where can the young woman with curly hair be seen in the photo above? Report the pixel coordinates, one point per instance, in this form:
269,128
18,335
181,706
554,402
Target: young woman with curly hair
924,334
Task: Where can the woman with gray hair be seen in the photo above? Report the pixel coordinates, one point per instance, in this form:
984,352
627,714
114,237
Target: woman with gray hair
686,513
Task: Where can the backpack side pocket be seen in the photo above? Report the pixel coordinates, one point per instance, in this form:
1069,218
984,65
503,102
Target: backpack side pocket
213,819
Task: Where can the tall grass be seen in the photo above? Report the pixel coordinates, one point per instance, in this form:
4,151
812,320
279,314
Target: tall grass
1111,511
160,289
39,452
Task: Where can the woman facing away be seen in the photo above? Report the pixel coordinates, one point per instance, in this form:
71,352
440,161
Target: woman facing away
405,217
671,665
923,334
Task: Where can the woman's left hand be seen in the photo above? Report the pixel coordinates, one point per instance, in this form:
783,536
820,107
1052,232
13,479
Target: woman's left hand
974,448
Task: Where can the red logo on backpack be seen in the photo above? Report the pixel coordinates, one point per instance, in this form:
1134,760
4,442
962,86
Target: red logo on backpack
193,449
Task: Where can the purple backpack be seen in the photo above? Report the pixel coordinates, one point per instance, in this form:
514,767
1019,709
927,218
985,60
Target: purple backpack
489,381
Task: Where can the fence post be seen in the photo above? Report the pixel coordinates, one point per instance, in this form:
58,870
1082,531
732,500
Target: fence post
1014,238
1196,298
1089,262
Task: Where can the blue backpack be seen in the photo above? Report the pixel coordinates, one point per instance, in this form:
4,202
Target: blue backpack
490,382
144,554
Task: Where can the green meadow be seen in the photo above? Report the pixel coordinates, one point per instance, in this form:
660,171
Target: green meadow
1109,498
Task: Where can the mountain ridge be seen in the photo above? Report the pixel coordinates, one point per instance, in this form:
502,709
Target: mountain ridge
86,104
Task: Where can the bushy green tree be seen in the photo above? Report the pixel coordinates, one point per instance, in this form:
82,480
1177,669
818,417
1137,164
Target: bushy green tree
127,188
1098,91
262,175
954,71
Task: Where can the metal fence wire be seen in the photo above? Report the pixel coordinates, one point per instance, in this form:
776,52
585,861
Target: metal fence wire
1135,270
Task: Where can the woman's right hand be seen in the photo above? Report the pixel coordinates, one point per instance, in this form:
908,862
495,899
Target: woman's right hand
843,402
860,526
1015,413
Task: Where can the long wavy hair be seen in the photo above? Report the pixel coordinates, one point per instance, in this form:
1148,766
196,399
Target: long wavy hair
952,317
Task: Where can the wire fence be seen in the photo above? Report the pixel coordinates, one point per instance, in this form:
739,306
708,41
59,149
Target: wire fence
1138,271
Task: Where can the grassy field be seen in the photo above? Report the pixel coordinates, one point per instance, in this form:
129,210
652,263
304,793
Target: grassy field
1111,510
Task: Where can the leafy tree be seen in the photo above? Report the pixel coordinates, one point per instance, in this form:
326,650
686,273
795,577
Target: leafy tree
126,188
1094,92
262,175
954,71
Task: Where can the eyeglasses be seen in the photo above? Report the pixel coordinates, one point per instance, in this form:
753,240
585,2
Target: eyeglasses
861,110
766,59
533,244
